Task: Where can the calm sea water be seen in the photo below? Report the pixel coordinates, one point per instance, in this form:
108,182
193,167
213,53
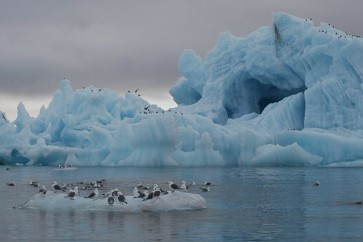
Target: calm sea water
246,204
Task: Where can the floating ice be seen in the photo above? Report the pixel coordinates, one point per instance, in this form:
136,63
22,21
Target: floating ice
289,94
176,201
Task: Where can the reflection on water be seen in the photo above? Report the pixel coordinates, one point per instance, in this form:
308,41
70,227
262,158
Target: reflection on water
245,204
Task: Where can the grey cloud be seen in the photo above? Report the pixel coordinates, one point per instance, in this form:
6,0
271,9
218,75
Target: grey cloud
122,44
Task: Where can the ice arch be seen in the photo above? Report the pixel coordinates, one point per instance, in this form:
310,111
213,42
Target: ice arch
252,96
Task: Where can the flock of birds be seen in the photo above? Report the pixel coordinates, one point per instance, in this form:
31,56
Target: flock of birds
138,94
144,192
147,110
345,35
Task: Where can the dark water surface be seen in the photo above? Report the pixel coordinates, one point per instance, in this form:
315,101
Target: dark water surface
246,204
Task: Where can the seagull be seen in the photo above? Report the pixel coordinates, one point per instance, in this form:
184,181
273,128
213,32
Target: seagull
110,200
207,189
93,194
149,196
316,183
121,198
82,182
144,195
157,192
56,187
161,190
184,186
64,186
72,193
207,183
33,183
147,187
107,194
42,190
114,192
138,193
140,186
173,186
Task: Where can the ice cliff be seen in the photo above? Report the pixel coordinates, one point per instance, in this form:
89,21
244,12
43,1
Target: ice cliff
289,94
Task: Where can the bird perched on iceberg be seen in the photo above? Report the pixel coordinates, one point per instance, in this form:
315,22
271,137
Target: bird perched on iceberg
56,187
157,192
72,193
93,194
110,200
148,195
173,186
121,198
184,186
139,194
43,190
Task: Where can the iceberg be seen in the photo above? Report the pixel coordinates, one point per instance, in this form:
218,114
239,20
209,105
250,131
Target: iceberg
173,201
288,94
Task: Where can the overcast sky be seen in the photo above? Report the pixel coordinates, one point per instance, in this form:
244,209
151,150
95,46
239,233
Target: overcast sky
124,45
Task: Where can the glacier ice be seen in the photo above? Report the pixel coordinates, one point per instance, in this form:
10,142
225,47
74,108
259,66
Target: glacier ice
289,94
